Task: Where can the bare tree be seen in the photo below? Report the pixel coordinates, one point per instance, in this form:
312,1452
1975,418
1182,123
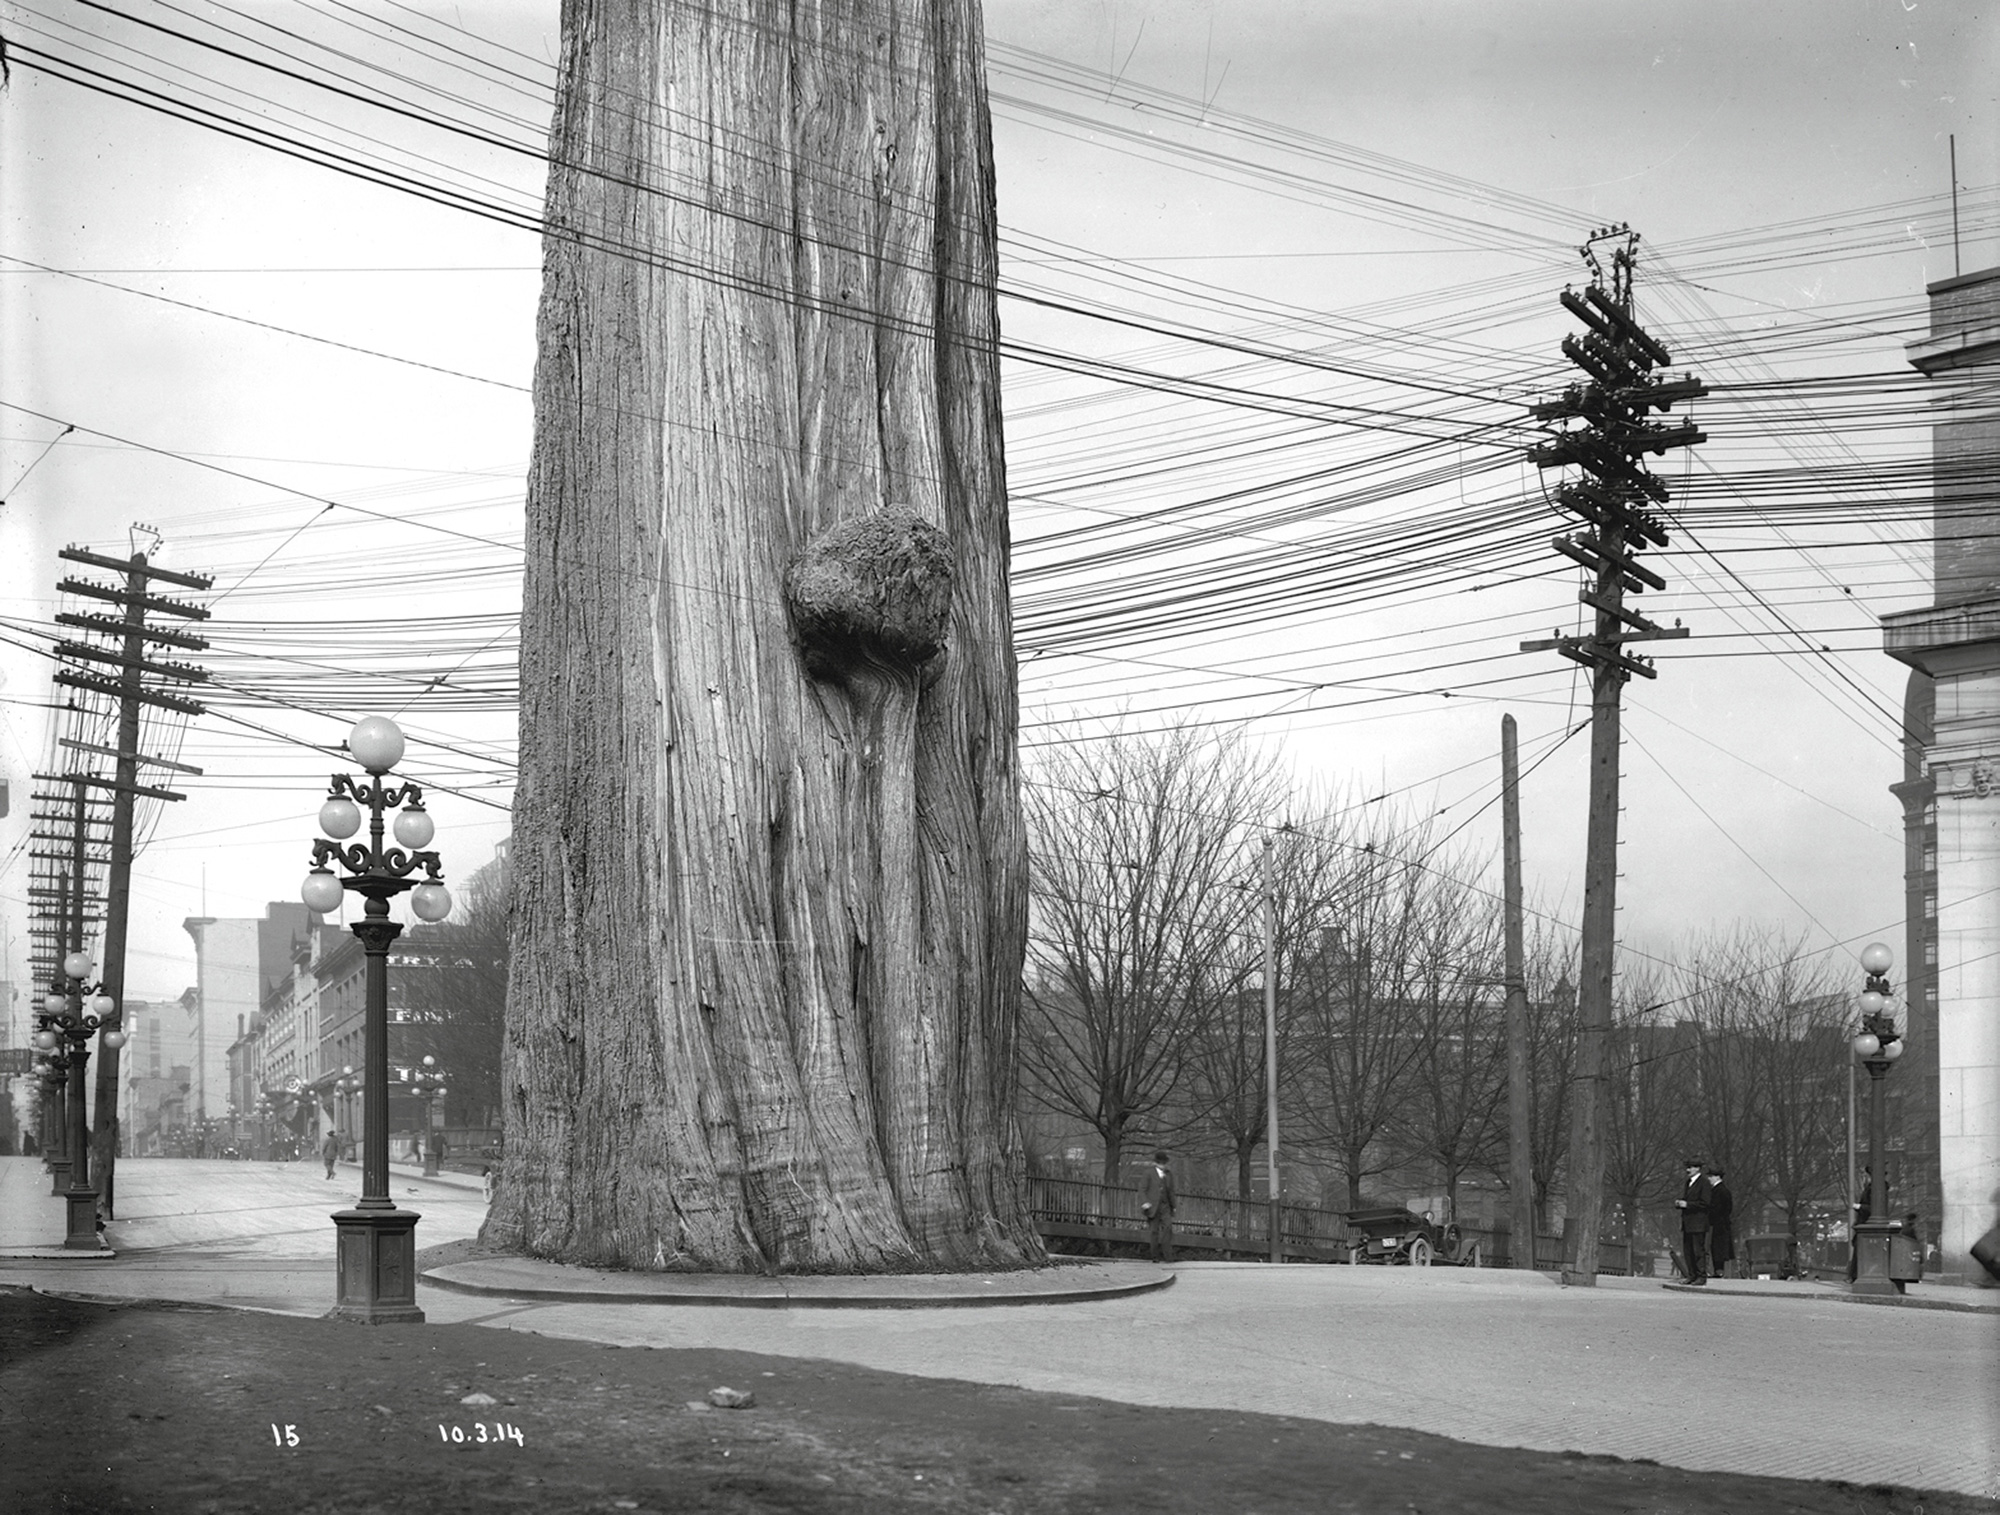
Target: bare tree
1646,1097
1223,1072
1138,845
1357,991
768,854
1722,992
458,993
1800,1061
1454,1113
1551,965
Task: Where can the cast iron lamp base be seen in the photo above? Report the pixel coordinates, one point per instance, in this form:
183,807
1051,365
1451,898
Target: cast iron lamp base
82,1217
1880,1266
377,1262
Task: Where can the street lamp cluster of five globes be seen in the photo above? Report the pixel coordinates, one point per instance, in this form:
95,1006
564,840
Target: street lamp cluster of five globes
376,1241
1886,1255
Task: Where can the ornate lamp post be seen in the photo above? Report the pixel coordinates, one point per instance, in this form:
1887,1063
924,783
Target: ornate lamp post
377,1242
64,1021
1878,1044
429,1084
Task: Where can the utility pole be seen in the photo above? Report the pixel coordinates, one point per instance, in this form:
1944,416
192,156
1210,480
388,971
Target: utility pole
1601,429
1271,1052
122,643
1520,1089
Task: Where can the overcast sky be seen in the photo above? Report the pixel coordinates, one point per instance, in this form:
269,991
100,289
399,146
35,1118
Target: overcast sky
315,389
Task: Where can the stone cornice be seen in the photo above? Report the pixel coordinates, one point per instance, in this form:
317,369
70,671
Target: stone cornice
1946,350
1944,639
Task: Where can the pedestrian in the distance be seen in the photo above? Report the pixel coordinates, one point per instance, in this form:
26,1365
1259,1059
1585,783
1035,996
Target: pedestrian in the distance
1721,1228
330,1150
486,1178
1693,1205
1156,1203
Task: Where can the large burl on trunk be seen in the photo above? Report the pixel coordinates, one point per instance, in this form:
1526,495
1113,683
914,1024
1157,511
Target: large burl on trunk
768,857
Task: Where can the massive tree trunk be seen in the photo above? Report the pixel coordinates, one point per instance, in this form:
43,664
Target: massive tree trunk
769,861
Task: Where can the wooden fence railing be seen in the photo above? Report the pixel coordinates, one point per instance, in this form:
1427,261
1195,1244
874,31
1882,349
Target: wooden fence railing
1080,1210
1074,1210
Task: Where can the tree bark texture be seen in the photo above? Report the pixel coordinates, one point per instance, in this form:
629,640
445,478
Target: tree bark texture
769,860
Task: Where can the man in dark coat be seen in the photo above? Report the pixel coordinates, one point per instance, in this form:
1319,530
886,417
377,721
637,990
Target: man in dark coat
1721,1229
1156,1203
1693,1205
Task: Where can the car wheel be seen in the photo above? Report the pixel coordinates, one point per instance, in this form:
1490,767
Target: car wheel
1420,1253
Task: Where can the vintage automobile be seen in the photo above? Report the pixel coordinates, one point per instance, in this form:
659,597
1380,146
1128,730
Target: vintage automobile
1771,1256
1398,1235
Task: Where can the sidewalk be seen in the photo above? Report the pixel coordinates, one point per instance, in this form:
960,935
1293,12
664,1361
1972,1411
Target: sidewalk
260,1236
33,1219
1918,1296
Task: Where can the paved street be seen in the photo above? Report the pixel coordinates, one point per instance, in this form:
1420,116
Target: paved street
1800,1384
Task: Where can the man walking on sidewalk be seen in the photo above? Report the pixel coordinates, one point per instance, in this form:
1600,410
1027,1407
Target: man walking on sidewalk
1156,1203
330,1150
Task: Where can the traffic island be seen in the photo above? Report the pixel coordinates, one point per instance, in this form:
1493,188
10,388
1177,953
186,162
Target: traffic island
510,1276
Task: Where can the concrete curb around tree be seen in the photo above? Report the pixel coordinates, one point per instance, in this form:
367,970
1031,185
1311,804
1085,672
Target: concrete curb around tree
531,1278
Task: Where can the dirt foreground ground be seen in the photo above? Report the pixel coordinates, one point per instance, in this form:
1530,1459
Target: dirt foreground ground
139,1407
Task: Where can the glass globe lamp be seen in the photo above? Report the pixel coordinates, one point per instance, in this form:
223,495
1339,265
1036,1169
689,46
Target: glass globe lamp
321,891
340,818
376,743
431,902
414,827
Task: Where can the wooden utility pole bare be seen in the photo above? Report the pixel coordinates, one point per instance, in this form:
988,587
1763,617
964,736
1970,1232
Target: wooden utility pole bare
1271,1053
1520,1086
134,693
1604,432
